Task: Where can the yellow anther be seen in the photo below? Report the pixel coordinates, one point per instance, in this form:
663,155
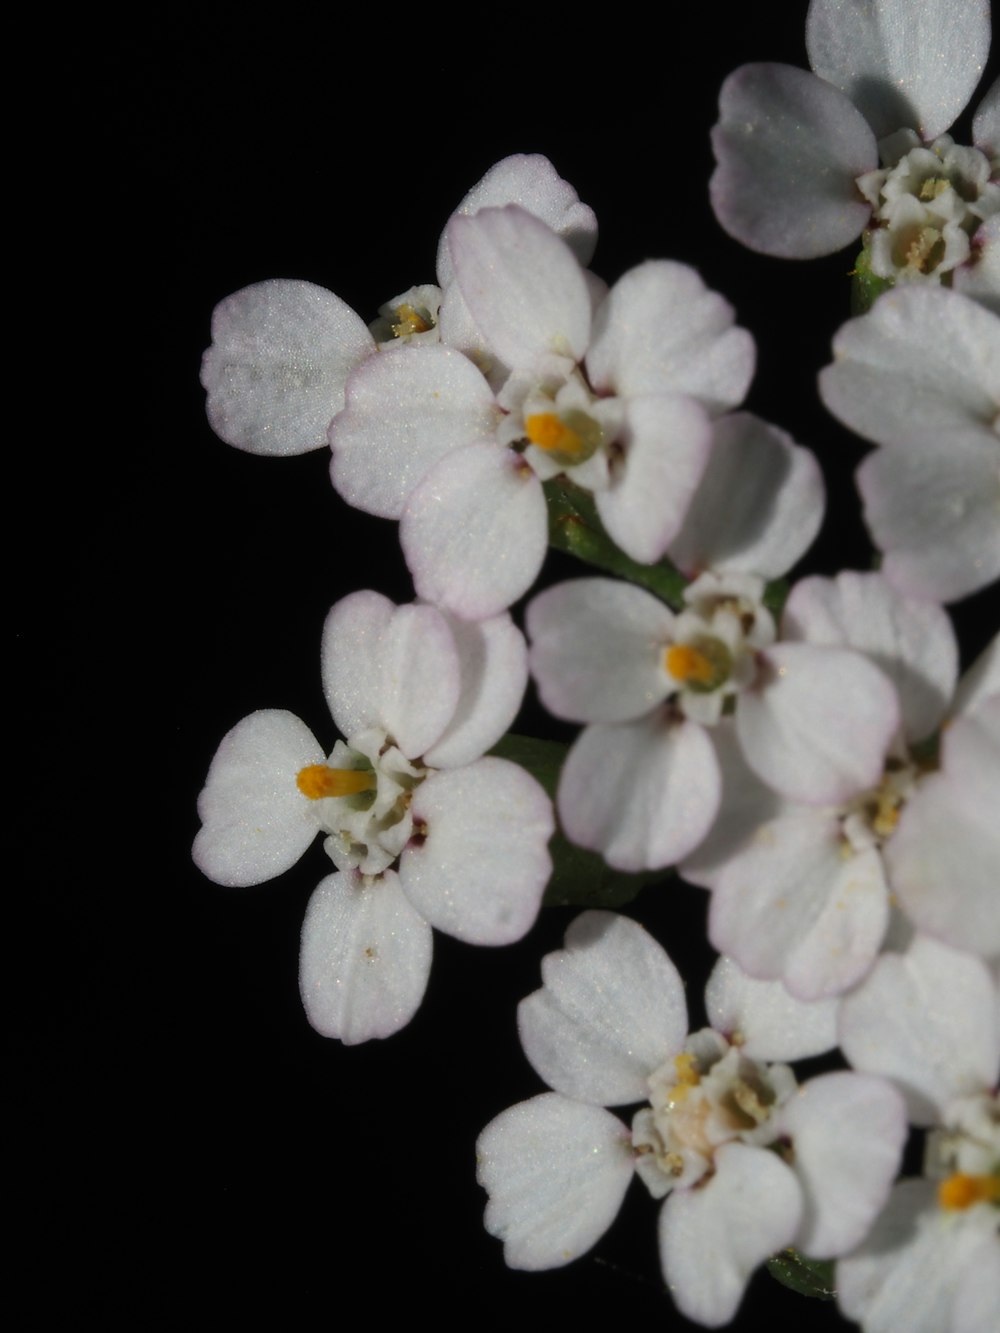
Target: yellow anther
962,1191
688,664
319,781
550,432
409,320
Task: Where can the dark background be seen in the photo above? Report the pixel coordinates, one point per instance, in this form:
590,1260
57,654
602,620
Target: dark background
192,1150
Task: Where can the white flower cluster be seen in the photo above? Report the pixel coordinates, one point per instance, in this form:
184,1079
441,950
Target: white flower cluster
812,757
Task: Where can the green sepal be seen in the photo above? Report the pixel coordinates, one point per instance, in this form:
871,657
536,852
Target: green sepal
579,878
809,1277
575,527
866,288
775,597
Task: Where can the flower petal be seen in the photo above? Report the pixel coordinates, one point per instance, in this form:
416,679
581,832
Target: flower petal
913,66
403,414
281,353
475,531
847,1132
660,330
352,676
556,1172
643,793
597,649
481,867
712,1238
420,681
611,1011
986,122
256,821
789,149
772,1023
365,957
758,506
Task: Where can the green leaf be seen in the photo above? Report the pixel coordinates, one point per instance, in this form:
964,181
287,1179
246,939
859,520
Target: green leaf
579,878
574,527
866,288
809,1277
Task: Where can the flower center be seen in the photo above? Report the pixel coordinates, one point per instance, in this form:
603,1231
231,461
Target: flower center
320,781
411,319
961,1191
702,665
568,437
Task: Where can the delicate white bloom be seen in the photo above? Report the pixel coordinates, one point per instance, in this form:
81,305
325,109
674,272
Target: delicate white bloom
613,390
920,376
282,350
749,1161
422,830
798,153
929,1019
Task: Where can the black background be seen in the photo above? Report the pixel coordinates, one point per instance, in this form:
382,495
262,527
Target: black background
192,1150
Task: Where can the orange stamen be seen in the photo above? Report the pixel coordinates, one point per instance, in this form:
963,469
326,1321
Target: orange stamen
685,663
962,1191
550,432
319,781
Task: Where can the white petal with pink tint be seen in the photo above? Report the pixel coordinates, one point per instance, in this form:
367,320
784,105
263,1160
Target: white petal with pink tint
913,642
481,867
712,1238
986,122
597,649
790,906
420,680
817,724
789,149
556,1172
403,414
523,285
666,442
475,531
256,822
916,64
352,678
365,957
493,667
661,330
847,1132
611,1010
771,1023
281,353
643,794
758,506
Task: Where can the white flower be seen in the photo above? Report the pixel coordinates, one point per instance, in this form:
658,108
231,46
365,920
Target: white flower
929,1019
920,376
613,390
798,152
423,831
749,1161
282,350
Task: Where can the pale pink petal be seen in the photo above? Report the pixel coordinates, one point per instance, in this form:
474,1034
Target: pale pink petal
666,443
933,512
256,821
979,279
480,864
792,907
475,531
530,180
661,330
597,649
771,1023
847,1132
980,681
365,957
281,353
523,285
817,723
923,363
643,793
789,149
352,670
611,1011
913,642
420,680
914,65
556,1172
712,1238
758,506
403,414
943,859
928,1020
493,665
986,122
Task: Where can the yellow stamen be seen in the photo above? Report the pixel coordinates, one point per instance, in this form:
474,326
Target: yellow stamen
409,320
319,781
551,433
962,1191
689,664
